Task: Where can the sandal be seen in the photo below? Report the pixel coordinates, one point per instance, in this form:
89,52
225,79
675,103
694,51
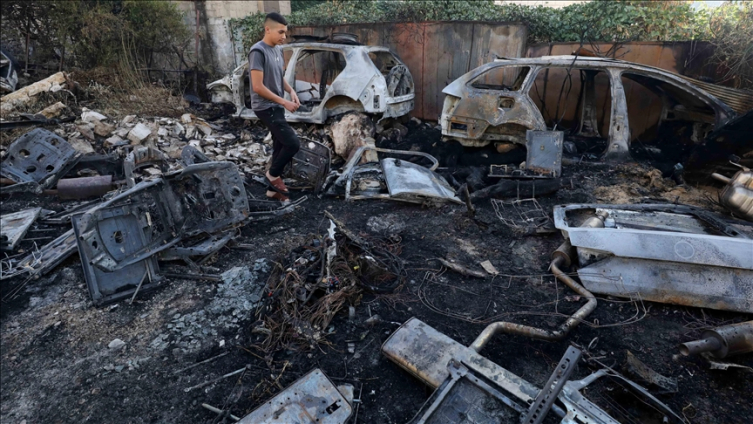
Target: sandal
277,185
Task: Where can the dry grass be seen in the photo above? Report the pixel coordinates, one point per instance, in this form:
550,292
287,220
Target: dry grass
120,92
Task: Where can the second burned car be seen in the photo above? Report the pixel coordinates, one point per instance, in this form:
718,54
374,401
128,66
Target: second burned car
331,79
597,99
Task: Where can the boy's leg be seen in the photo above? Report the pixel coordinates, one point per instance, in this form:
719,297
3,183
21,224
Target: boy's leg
285,145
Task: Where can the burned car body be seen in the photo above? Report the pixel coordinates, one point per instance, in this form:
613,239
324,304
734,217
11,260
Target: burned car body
499,101
8,73
330,79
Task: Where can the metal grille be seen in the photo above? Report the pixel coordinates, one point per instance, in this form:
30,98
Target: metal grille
522,214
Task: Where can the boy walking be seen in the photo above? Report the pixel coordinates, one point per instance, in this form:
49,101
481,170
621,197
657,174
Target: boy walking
265,65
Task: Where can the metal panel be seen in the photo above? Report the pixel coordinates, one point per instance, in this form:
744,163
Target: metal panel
465,398
39,156
681,247
13,227
699,286
311,399
42,261
426,353
120,234
408,180
544,152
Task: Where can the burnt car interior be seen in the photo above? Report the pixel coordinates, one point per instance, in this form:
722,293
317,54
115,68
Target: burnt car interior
576,101
393,72
508,78
662,114
315,70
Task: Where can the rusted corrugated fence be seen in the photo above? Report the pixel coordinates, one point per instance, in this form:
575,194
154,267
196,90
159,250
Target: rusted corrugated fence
436,53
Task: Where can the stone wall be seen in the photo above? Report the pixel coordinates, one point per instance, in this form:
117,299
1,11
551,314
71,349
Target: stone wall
219,53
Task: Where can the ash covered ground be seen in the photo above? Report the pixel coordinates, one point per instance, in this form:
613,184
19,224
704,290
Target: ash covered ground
61,362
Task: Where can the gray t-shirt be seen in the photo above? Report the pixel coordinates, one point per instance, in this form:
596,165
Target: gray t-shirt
269,60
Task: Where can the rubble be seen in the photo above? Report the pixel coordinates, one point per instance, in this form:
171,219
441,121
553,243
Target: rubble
53,111
139,133
170,235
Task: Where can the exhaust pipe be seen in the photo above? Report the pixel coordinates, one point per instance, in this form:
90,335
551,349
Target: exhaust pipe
729,340
562,257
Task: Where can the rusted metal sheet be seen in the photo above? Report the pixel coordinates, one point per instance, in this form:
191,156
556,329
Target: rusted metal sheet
739,100
436,53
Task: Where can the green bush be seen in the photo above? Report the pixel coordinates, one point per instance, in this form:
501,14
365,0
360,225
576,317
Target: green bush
92,33
592,21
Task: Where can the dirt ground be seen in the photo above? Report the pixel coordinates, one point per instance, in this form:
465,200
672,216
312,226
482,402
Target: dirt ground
56,366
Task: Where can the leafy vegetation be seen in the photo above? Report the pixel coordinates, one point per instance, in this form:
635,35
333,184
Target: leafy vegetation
97,33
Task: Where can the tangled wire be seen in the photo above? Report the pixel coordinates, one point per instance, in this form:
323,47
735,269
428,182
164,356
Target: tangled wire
318,279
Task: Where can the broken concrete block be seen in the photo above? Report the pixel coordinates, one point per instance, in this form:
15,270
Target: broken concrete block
190,131
122,132
115,141
128,119
196,144
102,129
91,116
178,130
81,145
186,118
86,131
152,171
204,128
162,132
53,111
139,133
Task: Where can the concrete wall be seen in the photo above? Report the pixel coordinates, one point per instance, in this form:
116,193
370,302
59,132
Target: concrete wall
219,53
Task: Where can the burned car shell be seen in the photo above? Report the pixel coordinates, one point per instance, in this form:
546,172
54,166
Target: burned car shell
478,109
359,87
